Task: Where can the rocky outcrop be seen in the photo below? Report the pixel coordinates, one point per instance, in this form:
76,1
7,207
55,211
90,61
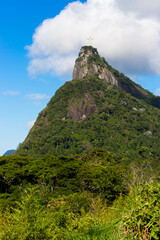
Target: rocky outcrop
79,111
90,63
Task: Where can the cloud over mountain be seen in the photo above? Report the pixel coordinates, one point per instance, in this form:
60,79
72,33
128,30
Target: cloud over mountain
127,33
142,8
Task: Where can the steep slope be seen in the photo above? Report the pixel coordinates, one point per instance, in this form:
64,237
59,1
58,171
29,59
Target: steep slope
90,63
101,109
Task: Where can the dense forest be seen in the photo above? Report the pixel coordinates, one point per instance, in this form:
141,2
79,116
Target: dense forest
89,168
113,120
86,196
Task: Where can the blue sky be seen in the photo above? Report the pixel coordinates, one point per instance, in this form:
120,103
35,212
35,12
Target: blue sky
39,41
18,20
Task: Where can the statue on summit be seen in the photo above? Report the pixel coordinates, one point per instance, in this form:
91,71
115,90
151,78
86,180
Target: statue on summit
90,40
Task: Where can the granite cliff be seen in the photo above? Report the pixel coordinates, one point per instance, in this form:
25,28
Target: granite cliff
90,63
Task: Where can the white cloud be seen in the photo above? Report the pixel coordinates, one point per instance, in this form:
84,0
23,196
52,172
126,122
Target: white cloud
157,92
10,93
142,8
37,96
130,41
30,124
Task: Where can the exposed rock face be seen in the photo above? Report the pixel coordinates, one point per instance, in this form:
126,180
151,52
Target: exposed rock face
79,111
90,63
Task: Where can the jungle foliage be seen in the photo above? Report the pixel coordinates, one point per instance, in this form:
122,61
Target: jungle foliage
117,118
121,124
89,168
86,196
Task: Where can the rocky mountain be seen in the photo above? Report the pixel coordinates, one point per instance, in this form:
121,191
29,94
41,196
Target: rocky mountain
100,108
90,63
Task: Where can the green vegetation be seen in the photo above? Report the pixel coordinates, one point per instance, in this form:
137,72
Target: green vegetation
89,168
124,82
88,196
123,120
134,89
97,173
121,124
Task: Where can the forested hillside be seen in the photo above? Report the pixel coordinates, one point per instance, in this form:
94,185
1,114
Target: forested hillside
93,112
87,196
89,168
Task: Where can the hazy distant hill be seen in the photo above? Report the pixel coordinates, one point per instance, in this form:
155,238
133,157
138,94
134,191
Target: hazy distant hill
9,152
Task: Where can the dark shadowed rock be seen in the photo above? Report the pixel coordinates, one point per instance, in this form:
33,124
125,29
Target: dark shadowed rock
79,111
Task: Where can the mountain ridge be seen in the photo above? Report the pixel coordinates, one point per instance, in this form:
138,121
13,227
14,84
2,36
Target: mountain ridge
92,111
89,62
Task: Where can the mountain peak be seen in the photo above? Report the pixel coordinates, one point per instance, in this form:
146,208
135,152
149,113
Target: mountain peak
88,112
90,63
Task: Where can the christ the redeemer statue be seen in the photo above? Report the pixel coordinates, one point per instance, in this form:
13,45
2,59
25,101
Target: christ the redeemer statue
90,40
